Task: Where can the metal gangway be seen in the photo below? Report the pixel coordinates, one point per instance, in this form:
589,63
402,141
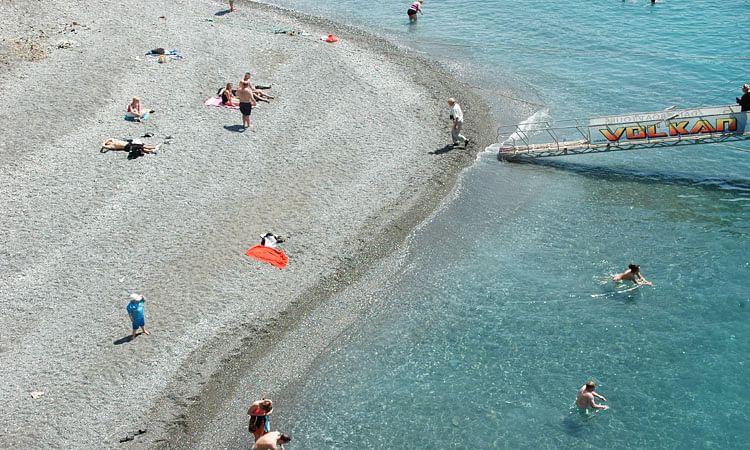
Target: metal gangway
667,128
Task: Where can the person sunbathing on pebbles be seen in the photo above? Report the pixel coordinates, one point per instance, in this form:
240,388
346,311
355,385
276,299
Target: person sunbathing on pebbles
258,94
130,145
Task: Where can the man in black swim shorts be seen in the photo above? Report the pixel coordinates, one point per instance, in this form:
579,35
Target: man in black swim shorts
247,103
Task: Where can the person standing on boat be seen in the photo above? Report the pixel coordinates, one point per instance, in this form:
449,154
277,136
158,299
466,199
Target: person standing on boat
457,120
632,274
744,101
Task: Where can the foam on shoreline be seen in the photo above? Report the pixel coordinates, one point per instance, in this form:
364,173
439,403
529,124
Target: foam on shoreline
352,149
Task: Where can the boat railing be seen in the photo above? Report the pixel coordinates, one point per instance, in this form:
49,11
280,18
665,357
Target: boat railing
668,127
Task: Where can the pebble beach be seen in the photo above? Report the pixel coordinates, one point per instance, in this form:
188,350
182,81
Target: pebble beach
346,161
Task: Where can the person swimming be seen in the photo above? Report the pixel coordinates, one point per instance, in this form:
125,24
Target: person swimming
633,274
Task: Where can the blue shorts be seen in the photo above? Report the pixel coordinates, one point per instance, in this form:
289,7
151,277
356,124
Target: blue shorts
139,323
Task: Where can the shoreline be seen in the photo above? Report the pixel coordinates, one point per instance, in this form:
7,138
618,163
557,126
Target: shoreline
205,418
205,295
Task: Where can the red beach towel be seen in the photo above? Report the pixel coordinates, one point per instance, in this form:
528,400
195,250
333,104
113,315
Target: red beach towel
276,258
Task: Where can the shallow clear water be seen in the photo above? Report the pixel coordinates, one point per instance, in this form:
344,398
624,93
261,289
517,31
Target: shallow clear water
504,308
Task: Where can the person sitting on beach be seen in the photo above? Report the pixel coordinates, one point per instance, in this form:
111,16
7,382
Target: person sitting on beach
227,95
258,94
271,441
247,103
270,240
415,8
632,274
585,398
744,101
260,422
134,147
135,112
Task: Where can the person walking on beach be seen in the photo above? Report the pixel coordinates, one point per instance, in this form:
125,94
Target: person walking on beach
231,6
247,103
271,441
586,397
137,314
632,274
744,101
457,122
260,420
415,8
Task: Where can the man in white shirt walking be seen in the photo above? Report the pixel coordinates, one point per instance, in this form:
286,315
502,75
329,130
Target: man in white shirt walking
457,117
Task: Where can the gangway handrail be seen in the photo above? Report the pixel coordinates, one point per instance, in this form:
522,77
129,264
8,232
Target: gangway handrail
669,127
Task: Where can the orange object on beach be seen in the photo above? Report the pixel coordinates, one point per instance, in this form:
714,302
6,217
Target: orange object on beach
272,256
331,39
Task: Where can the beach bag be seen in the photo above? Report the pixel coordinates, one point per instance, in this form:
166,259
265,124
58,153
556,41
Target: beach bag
134,149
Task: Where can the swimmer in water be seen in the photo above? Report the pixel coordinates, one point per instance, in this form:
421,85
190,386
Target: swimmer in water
586,397
632,274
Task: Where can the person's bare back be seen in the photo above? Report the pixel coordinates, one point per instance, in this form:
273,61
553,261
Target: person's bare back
632,274
586,397
271,440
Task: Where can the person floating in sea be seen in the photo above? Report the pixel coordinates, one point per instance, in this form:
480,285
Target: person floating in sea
415,8
247,103
632,274
586,398
260,420
744,101
137,314
271,441
457,122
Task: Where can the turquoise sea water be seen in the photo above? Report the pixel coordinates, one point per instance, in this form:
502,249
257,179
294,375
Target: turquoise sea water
504,309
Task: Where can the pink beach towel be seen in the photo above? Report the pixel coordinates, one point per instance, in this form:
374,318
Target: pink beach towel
216,101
